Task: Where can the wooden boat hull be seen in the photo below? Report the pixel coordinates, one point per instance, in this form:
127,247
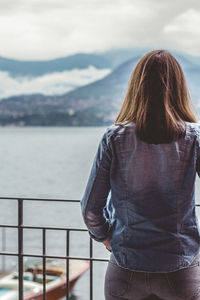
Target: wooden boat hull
55,289
54,293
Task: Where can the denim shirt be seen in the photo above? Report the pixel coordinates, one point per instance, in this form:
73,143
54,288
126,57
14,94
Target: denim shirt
142,196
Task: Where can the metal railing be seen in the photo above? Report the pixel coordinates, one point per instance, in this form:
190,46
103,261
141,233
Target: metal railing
20,253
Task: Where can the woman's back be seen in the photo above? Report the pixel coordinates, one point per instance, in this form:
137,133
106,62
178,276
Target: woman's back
151,206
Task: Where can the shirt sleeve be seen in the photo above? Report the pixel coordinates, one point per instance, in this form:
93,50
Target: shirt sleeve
96,193
198,155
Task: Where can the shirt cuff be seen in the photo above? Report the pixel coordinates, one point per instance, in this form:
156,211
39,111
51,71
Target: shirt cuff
102,238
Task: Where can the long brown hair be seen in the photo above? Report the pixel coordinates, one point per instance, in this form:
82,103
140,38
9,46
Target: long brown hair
157,99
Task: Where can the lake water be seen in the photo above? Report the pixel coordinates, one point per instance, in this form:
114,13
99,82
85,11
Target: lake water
51,162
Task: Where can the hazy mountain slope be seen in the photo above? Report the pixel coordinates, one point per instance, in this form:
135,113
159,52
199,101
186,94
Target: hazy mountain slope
38,68
99,92
101,60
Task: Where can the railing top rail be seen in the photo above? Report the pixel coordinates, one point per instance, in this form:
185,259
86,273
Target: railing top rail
39,199
43,227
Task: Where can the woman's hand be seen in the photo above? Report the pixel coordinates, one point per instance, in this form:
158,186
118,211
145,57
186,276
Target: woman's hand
107,243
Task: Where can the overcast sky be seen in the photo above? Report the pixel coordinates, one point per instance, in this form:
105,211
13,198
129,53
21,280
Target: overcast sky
45,29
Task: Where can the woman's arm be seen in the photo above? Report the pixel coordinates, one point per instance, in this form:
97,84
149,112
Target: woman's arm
96,192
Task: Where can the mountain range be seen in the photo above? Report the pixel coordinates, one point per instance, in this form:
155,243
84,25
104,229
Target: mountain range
94,104
100,60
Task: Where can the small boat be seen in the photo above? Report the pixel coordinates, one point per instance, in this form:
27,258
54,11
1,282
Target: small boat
33,280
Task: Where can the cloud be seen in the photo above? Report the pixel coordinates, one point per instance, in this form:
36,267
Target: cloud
186,23
45,29
50,84
184,30
49,29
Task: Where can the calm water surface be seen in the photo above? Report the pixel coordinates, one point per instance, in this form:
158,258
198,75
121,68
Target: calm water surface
51,162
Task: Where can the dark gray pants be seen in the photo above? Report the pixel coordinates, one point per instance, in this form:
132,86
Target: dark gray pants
121,283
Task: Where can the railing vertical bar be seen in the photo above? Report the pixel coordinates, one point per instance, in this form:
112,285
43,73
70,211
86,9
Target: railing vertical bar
20,247
91,269
3,248
44,262
67,265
